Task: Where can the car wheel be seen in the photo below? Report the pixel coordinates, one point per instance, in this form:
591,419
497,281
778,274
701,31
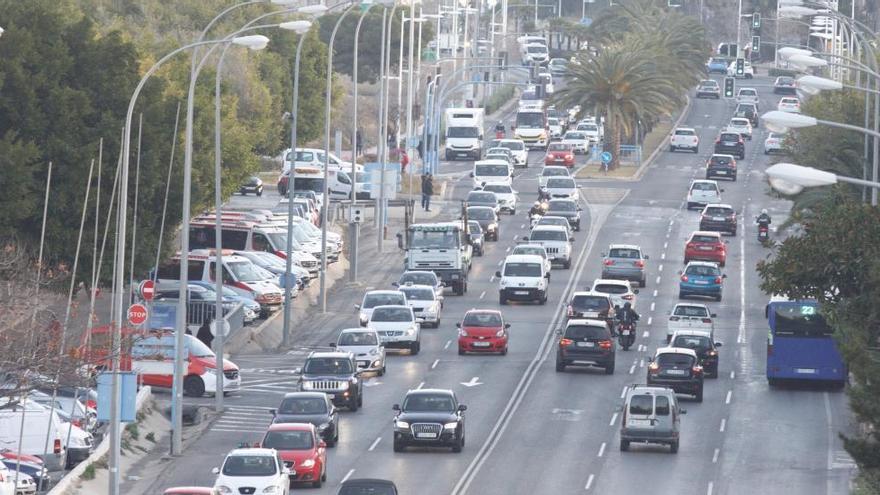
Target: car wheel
504,351
436,324
714,373
609,369
690,206
560,366
193,386
460,351
642,283
673,447
577,227
353,404
624,445
697,150
718,298
260,192
681,295
502,300
567,264
382,371
459,444
398,445
671,148
699,394
415,347
317,483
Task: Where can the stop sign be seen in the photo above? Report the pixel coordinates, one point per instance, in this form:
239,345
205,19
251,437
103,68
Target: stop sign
147,290
137,314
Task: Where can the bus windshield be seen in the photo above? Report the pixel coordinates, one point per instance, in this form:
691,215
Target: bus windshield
530,120
800,345
800,320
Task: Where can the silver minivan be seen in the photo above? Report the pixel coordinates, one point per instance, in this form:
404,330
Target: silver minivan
651,414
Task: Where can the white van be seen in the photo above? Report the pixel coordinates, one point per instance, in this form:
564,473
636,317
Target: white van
464,133
492,172
312,179
37,422
703,192
313,157
523,277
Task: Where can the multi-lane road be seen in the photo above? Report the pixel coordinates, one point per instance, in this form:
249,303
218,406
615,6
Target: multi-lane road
533,430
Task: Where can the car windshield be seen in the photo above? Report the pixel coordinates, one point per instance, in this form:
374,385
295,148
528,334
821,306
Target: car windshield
588,128
491,170
784,80
419,278
675,360
685,132
718,211
740,123
279,240
513,145
249,465
313,184
538,251
536,49
474,228
289,440
747,92
373,300
498,188
554,172
589,303
244,271
729,136
328,365
522,270
462,132
418,293
424,239
705,238
561,183
720,160
367,488
428,403
358,338
481,213
695,311
482,319
611,288
553,221
530,120
558,147
702,270
627,253
696,342
303,405
548,235
553,121
481,197
575,136
392,314
586,332
642,404
562,206
703,186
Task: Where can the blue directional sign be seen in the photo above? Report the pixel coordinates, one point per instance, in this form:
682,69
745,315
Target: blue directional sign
605,157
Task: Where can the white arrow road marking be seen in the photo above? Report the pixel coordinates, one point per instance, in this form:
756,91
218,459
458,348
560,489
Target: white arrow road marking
473,383
372,383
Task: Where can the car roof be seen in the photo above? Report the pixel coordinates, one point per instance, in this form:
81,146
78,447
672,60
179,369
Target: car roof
392,306
481,191
335,354
742,120
491,161
252,451
624,246
418,272
691,332
591,293
676,350
418,286
704,181
699,305
305,395
611,281
530,246
652,389
731,157
431,391
718,205
367,481
685,129
383,291
367,329
706,233
291,427
586,322
553,217
554,228
523,258
483,310
702,263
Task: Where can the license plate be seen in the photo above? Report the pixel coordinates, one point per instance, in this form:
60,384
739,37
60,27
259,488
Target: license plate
639,422
331,396
721,172
805,371
624,332
701,282
426,435
718,219
586,344
676,372
705,248
481,344
521,292
729,143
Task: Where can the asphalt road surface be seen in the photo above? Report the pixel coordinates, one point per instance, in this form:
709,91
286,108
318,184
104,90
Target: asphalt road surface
532,430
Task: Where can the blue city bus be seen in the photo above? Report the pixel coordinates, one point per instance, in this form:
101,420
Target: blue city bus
800,345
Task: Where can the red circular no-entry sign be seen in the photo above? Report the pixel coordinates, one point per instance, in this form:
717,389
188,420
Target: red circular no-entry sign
137,314
147,290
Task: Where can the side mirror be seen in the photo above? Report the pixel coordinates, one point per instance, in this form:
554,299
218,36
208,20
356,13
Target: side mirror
462,407
273,412
635,291
724,275
719,344
395,407
580,209
647,257
682,411
472,174
525,237
650,359
571,239
558,331
498,274
395,284
357,306
722,190
547,276
332,344
457,324
507,325
603,255
215,470
713,315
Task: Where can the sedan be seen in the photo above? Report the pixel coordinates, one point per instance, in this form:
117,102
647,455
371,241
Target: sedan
690,316
785,85
773,143
505,196
709,88
487,218
705,246
721,166
579,141
253,470
701,278
549,172
789,104
303,453
560,188
429,418
480,197
560,154
718,218
483,330
375,298
309,407
716,65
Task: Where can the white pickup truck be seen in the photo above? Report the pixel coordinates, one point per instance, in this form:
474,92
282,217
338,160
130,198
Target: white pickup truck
690,316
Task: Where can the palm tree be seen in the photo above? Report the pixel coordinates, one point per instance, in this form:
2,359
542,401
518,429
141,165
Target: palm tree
624,84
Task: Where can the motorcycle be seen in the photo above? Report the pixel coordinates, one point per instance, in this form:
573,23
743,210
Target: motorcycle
626,335
763,233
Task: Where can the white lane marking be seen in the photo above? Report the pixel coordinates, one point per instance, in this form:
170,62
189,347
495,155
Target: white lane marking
374,444
514,237
660,268
723,425
662,256
347,475
507,250
658,279
492,278
422,384
613,419
601,450
448,343
436,362
500,262
671,223
641,363
522,226
733,375
623,393
709,490
589,482
741,336
632,369
655,292
665,245
715,456
729,396
832,435
646,333
652,306
482,294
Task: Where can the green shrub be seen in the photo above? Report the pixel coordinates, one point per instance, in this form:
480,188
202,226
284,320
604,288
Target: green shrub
502,95
776,72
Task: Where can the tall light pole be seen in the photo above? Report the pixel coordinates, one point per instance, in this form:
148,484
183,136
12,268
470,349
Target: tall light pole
383,120
409,88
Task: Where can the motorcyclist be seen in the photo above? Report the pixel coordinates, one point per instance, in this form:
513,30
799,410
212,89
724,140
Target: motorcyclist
763,218
536,209
499,130
627,315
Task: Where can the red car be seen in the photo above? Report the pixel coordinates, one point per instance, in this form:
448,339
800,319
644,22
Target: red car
301,449
483,330
706,246
559,154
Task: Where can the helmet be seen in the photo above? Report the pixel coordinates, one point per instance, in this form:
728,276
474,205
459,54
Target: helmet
537,203
764,211
627,305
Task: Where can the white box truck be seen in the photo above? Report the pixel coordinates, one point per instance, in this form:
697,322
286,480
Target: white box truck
464,133
32,433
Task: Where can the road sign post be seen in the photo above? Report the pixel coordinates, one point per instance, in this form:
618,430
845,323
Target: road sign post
137,314
147,290
606,158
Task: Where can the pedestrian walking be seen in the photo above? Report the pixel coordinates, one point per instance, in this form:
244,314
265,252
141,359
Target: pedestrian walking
358,144
427,191
424,178
204,333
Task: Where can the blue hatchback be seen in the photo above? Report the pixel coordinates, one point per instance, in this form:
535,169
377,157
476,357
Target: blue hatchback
701,278
717,64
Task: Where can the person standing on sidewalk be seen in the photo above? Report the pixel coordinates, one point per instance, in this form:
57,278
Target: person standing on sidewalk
427,191
358,144
424,178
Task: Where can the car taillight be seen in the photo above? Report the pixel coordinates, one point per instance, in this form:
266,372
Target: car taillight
717,140
569,157
570,311
653,368
627,297
690,245
717,280
684,278
565,342
706,320
640,264
609,262
673,318
605,344
697,370
713,353
56,446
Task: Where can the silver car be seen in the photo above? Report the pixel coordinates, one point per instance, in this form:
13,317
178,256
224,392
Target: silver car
422,277
424,303
365,345
375,298
651,414
625,262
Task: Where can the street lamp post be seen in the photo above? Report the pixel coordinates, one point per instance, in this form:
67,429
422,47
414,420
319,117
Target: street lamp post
383,120
789,178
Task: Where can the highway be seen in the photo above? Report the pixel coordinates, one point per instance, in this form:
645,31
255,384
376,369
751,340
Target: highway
533,430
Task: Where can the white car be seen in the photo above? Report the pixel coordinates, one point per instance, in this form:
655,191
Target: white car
365,345
535,52
507,197
537,250
684,138
579,141
252,471
560,187
554,220
789,104
773,143
703,192
620,291
491,172
555,241
747,95
517,149
522,278
424,303
690,316
397,327
375,298
573,113
556,128
551,171
422,277
547,79
591,129
741,126
748,70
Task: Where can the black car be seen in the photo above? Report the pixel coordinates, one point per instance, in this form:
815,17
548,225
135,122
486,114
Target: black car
708,89
747,111
335,374
702,344
785,85
482,198
721,166
585,342
678,369
566,208
252,185
718,218
429,418
731,143
487,219
309,407
367,486
475,231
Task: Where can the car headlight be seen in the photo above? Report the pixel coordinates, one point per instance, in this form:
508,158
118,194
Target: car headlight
344,385
411,331
492,226
376,363
462,332
271,489
306,385
401,424
323,426
374,352
451,426
224,489
500,333
308,463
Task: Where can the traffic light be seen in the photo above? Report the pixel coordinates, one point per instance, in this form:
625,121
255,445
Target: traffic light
740,67
756,21
756,44
729,86
357,214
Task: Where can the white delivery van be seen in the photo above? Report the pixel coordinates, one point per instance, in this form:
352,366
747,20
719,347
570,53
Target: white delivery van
523,278
492,172
312,179
312,157
32,434
464,133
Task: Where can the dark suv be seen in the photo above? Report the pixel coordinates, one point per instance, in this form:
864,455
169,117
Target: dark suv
721,166
731,143
701,343
482,198
336,374
678,369
565,208
718,218
747,111
587,342
309,407
429,418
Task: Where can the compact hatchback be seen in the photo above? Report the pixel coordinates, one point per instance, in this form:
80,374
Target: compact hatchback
774,143
585,342
482,198
785,85
252,470
705,246
560,188
741,125
560,154
708,88
626,262
684,138
591,305
718,218
651,414
703,344
701,278
789,104
678,369
703,192
549,172
620,291
721,166
483,330
303,453
487,218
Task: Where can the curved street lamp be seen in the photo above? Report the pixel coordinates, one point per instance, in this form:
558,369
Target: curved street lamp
790,179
